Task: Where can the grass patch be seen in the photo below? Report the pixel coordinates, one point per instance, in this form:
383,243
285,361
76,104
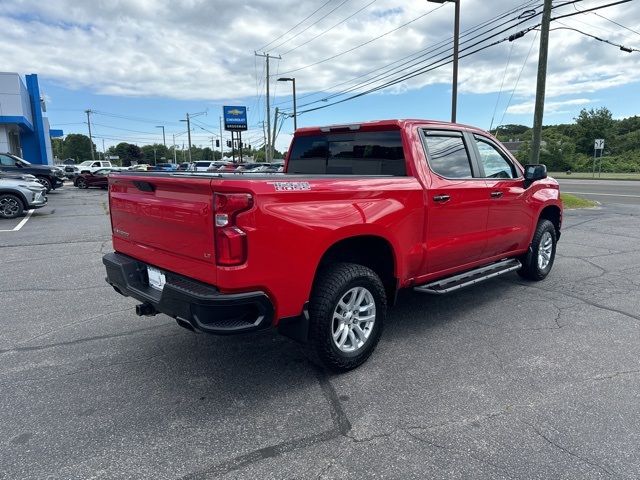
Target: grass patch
603,176
571,201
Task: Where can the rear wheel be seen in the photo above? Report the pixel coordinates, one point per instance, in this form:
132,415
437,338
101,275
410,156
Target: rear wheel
10,206
346,312
46,183
81,183
537,263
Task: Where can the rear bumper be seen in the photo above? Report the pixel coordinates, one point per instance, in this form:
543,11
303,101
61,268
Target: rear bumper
200,305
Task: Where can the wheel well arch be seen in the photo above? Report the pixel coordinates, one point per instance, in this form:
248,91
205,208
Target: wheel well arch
554,215
372,251
18,194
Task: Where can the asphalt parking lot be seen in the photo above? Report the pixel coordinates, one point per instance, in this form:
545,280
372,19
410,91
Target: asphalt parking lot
504,380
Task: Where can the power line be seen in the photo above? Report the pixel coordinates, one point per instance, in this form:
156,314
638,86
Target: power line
296,25
446,60
422,52
363,44
330,28
309,26
410,64
621,47
609,20
515,86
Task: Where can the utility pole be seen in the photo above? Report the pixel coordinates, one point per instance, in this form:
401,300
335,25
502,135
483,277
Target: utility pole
456,41
275,127
542,80
88,112
164,140
221,141
267,57
189,136
104,153
175,160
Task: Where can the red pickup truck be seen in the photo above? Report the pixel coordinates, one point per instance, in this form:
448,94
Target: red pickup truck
320,251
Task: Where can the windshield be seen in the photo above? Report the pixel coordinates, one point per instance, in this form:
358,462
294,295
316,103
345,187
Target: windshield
22,160
87,162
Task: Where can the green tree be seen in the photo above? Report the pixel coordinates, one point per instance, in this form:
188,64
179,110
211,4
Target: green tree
128,153
78,147
592,124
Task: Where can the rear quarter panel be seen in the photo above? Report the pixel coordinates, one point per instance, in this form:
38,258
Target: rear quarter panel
289,231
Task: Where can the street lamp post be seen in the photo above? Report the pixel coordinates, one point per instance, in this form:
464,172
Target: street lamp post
456,41
293,81
164,140
188,120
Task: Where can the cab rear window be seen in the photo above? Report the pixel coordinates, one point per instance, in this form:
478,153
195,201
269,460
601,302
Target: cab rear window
353,153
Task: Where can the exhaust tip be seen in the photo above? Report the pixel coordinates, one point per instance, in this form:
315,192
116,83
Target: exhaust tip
145,310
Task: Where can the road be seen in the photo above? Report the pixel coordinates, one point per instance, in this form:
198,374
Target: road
509,379
604,191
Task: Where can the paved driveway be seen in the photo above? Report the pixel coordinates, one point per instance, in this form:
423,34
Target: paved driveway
505,380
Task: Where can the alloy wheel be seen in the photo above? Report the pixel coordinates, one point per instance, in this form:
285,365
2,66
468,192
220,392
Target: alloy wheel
353,319
545,250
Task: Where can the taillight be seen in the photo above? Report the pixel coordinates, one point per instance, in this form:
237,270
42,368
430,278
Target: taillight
231,241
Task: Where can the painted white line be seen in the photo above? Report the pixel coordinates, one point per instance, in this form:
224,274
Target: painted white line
21,224
603,194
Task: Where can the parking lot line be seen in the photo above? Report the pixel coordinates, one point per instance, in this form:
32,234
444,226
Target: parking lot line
21,224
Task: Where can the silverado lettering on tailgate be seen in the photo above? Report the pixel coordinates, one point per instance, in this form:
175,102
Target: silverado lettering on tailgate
290,186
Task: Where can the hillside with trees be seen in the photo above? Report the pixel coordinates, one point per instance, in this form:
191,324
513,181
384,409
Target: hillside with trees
570,146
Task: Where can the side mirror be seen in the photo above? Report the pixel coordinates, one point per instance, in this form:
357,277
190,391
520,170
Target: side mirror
533,172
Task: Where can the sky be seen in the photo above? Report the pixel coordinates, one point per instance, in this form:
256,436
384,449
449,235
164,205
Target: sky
141,64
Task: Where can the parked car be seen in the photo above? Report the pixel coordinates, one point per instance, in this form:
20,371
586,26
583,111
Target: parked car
163,167
140,167
93,165
208,165
360,212
19,193
50,177
99,178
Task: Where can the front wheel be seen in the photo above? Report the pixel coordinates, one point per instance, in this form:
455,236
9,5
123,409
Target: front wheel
81,183
45,182
10,206
346,312
537,263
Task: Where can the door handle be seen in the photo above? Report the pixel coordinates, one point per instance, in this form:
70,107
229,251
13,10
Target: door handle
496,194
441,198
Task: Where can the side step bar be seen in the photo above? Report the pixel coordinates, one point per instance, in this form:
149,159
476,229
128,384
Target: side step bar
471,277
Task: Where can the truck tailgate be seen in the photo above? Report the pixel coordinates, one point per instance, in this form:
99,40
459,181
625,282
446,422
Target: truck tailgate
163,221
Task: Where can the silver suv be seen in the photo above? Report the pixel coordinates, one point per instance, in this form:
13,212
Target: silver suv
19,193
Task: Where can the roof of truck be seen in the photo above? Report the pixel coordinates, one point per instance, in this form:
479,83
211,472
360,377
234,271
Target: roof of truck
382,125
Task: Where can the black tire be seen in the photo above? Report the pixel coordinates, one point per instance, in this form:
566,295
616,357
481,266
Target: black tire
11,206
81,183
46,183
333,284
531,268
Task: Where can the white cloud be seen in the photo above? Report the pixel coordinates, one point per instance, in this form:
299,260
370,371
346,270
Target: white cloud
549,107
203,49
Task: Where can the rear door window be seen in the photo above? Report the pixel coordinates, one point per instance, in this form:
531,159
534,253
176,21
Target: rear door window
448,155
353,153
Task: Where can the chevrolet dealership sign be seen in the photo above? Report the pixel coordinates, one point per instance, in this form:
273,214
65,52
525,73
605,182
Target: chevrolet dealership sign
235,118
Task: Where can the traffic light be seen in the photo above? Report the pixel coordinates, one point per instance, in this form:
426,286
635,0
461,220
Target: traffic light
239,144
217,143
229,143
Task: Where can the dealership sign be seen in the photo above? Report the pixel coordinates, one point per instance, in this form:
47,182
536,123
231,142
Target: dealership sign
235,118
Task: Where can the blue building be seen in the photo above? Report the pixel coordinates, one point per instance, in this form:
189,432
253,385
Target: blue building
24,130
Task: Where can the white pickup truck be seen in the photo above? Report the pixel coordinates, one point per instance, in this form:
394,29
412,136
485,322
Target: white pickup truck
91,166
